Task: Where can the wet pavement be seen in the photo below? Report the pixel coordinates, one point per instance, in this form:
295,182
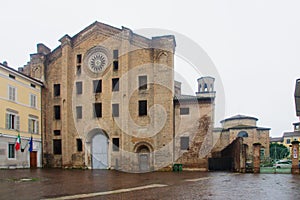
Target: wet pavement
106,184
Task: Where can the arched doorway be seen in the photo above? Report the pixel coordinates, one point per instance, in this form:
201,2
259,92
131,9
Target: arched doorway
100,152
144,158
98,142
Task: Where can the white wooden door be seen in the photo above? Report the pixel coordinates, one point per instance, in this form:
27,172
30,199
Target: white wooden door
100,152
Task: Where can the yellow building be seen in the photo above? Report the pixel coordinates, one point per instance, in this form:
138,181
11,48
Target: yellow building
289,137
20,111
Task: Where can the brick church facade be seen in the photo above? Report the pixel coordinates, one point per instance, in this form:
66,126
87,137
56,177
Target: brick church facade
109,102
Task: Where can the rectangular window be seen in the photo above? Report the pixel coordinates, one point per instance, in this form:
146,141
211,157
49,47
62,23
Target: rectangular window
57,147
184,111
78,60
33,100
116,59
56,132
56,89
262,153
116,144
116,54
79,112
11,76
142,107
98,110
184,143
115,110
288,141
12,93
115,84
78,71
33,126
142,82
97,84
116,65
12,121
78,87
57,112
32,85
79,144
11,151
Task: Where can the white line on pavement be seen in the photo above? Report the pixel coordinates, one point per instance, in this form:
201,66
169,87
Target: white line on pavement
197,179
79,196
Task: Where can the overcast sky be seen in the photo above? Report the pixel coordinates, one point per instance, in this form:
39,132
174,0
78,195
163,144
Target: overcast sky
254,45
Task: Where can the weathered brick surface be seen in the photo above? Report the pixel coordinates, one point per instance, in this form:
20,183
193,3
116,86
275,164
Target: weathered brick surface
155,131
230,130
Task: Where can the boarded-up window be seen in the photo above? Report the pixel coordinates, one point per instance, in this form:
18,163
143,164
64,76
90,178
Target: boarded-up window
184,111
116,54
78,87
57,146
184,143
115,110
79,112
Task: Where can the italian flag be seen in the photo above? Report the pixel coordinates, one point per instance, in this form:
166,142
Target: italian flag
18,143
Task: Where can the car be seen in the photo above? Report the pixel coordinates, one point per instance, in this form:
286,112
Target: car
282,164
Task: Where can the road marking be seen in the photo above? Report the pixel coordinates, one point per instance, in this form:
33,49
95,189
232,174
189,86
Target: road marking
79,196
197,179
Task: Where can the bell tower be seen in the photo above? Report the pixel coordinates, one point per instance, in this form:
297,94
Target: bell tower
206,87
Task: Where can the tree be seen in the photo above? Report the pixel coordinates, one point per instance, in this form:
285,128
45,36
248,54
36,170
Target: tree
278,151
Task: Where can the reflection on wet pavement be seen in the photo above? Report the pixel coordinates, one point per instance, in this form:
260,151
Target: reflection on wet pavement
105,184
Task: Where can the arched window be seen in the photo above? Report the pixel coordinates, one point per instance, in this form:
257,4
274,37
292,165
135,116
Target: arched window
242,134
205,88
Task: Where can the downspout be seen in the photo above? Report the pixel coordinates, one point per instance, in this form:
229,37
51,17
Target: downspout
173,160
